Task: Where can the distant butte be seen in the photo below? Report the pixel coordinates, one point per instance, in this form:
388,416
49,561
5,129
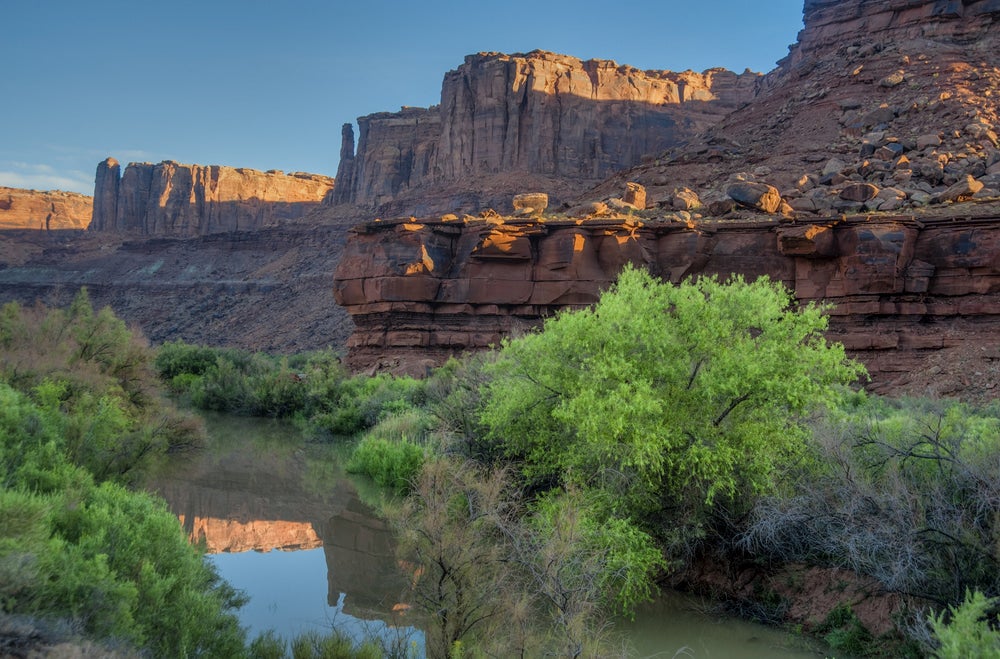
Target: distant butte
171,199
45,210
537,119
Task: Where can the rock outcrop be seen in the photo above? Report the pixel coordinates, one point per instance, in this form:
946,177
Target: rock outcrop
538,113
171,199
901,288
47,210
899,95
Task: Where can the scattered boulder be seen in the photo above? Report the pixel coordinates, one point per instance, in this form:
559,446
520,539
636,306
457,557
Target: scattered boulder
718,203
804,204
530,203
963,190
590,209
760,196
685,199
928,140
893,79
635,195
860,192
834,166
879,116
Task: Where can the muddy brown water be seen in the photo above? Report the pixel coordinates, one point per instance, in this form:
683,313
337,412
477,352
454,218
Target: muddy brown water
282,521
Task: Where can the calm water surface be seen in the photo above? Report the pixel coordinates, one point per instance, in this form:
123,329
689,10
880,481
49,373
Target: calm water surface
284,523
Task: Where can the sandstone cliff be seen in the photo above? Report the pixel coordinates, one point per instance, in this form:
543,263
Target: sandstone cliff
902,288
53,209
172,199
865,171
550,118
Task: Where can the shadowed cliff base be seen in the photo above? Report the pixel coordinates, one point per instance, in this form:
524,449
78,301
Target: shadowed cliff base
262,290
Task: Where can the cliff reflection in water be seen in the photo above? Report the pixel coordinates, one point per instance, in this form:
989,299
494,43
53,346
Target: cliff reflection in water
258,488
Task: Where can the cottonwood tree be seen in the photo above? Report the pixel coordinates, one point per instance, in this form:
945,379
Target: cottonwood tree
666,393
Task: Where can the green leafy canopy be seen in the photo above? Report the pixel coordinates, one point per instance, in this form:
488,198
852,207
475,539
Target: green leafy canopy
691,390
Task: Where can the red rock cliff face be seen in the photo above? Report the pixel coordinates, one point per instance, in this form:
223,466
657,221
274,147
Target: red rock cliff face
34,209
172,199
901,288
539,113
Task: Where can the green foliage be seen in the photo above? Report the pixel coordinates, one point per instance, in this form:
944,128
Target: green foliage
690,392
390,463
905,491
314,645
95,394
449,527
314,387
499,578
79,414
454,395
117,564
967,630
268,645
844,632
175,358
609,557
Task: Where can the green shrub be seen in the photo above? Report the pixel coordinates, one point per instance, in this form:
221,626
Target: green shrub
905,491
78,416
844,632
392,464
118,565
268,645
967,630
412,424
175,358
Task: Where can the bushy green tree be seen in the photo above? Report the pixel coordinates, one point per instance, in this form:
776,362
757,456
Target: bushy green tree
666,393
116,563
966,631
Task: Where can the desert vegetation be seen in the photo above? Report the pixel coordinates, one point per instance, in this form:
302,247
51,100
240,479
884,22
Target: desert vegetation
575,466
80,416
82,554
537,490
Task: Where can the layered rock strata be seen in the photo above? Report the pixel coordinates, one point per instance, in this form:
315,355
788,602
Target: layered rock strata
537,113
900,288
46,210
171,199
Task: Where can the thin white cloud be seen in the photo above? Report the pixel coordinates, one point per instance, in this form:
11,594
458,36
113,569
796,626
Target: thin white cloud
42,181
34,168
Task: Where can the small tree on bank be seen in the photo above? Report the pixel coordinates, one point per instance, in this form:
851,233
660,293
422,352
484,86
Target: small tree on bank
666,395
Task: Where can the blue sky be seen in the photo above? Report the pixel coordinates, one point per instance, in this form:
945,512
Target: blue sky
268,84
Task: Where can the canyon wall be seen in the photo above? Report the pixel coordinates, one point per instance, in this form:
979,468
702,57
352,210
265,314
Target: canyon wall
829,22
537,113
263,290
50,210
901,288
171,199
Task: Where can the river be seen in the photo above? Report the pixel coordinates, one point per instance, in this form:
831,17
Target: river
282,521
